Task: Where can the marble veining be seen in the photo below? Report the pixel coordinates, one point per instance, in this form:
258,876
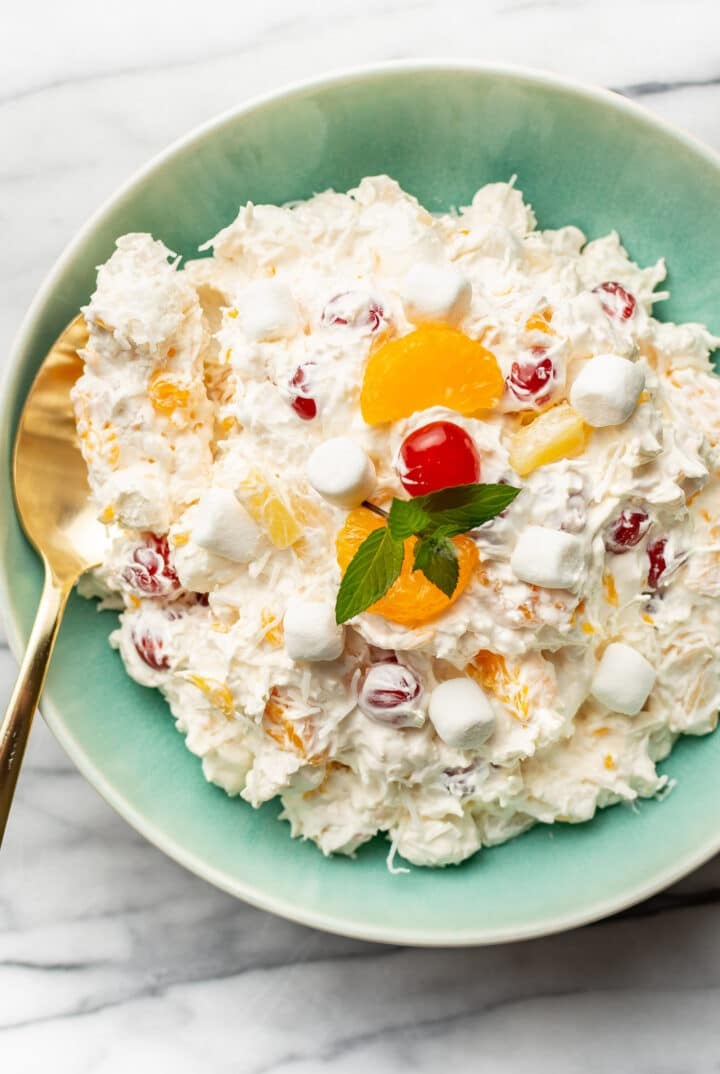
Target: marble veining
110,954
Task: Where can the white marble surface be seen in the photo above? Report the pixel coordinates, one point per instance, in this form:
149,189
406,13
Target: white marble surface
113,958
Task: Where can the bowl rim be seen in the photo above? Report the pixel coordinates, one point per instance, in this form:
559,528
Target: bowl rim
449,937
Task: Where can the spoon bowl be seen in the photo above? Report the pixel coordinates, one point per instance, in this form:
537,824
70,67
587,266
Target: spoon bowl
49,472
53,503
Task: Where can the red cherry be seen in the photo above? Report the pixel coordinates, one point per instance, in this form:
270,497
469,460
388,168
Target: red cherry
138,577
658,562
150,571
392,686
437,456
387,691
626,531
304,408
303,404
463,781
351,308
532,380
150,650
620,304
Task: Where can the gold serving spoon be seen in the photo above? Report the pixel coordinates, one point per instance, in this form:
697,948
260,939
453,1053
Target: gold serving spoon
52,499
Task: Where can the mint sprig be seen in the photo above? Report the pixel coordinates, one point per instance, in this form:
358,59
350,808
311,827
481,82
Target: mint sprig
433,519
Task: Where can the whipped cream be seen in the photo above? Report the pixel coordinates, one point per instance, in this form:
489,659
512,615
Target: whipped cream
210,388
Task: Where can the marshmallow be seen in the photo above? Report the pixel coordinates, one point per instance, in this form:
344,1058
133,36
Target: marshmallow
222,526
341,472
268,311
606,390
390,695
461,713
200,571
550,558
311,632
436,293
623,680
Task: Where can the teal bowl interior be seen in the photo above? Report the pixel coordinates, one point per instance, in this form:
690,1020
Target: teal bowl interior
581,157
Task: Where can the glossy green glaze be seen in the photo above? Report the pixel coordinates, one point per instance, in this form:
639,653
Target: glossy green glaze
581,157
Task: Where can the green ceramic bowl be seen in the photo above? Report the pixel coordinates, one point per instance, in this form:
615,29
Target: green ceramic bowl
582,156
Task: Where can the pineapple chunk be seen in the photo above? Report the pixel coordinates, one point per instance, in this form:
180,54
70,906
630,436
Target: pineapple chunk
558,433
538,322
274,633
271,508
167,395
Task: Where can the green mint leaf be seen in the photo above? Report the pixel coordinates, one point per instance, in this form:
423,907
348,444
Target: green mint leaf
369,575
457,510
437,558
449,511
407,518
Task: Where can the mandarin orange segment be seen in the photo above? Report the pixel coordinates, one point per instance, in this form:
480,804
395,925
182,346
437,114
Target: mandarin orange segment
217,693
278,728
411,600
294,736
433,366
491,671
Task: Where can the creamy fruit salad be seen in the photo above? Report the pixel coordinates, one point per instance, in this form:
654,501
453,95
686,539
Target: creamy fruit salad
307,448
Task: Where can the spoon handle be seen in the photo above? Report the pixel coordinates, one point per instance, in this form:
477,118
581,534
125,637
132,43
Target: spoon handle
17,721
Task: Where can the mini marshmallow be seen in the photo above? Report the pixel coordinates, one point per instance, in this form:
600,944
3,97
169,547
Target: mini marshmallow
341,472
268,311
623,680
549,558
311,632
222,526
461,713
606,390
436,293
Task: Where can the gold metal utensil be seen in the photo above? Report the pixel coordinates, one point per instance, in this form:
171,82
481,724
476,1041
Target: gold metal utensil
52,499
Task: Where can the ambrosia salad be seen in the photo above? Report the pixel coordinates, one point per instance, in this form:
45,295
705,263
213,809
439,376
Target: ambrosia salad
306,449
